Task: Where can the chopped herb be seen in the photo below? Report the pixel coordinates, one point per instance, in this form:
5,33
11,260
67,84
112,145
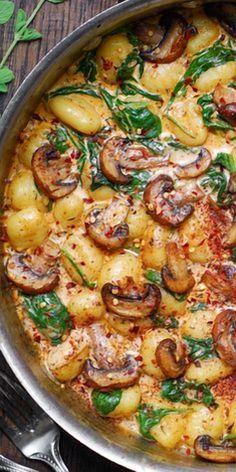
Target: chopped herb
148,417
127,68
200,348
177,391
59,138
50,205
155,277
211,118
226,160
84,89
232,84
163,322
78,269
128,88
88,66
217,180
198,307
134,249
106,402
49,314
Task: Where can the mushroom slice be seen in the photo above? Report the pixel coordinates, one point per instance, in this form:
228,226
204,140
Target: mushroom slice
225,13
196,167
30,277
172,42
176,275
166,205
232,183
207,449
222,281
52,172
171,359
131,301
108,379
120,154
106,226
228,112
225,98
224,336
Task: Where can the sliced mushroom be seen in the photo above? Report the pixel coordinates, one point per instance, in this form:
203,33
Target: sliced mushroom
228,112
120,155
52,172
222,281
171,359
107,226
108,379
223,453
176,275
166,205
225,99
232,183
224,336
29,276
164,40
225,13
131,301
196,167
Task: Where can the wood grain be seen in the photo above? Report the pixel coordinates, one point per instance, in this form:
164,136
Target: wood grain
54,22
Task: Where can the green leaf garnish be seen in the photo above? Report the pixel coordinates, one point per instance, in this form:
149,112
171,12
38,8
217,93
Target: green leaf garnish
106,402
200,348
128,88
78,269
163,322
155,277
88,66
128,66
59,138
179,390
83,89
211,118
217,180
6,11
148,417
226,160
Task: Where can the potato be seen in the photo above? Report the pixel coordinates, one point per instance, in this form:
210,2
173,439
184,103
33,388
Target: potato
150,342
23,193
209,371
37,138
110,55
163,77
207,33
169,306
78,114
86,306
66,360
188,115
198,324
68,210
169,431
232,418
204,421
129,402
119,267
216,75
103,193
137,220
193,233
86,256
154,249
128,327
27,228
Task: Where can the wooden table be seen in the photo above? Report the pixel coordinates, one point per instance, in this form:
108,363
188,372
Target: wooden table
54,22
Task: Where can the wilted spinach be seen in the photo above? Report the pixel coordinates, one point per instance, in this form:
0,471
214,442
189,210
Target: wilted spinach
127,68
210,115
59,138
200,348
226,160
148,417
177,391
106,402
128,88
84,89
198,307
217,180
155,277
88,66
78,269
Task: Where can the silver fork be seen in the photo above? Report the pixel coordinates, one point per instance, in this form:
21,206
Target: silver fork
6,465
28,427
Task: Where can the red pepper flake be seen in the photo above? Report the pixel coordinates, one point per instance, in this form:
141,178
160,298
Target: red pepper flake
139,358
188,80
109,233
73,246
70,285
106,64
88,200
37,338
188,451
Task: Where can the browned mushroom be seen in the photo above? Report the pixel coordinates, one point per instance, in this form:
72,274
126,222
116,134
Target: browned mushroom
166,205
228,112
164,39
107,226
225,13
29,276
171,359
223,453
196,167
52,172
224,336
176,275
120,155
232,183
222,281
225,98
131,301
108,379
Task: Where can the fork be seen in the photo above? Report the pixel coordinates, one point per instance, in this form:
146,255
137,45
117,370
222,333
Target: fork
27,426
6,465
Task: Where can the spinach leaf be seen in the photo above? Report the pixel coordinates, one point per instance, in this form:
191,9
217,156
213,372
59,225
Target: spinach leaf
84,89
155,277
133,117
233,254
88,66
128,88
226,160
200,348
59,138
78,269
214,56
218,182
127,68
148,417
177,391
197,307
49,314
211,117
163,322
156,147
232,84
106,402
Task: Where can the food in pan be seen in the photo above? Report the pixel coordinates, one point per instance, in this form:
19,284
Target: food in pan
120,230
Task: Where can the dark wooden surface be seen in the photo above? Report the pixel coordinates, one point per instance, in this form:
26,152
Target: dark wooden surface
55,22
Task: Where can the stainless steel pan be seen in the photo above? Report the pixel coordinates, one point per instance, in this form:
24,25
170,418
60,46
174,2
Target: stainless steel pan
63,406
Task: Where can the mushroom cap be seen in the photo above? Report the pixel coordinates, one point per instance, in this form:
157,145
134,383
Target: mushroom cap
176,276
222,453
197,167
108,379
224,336
171,359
